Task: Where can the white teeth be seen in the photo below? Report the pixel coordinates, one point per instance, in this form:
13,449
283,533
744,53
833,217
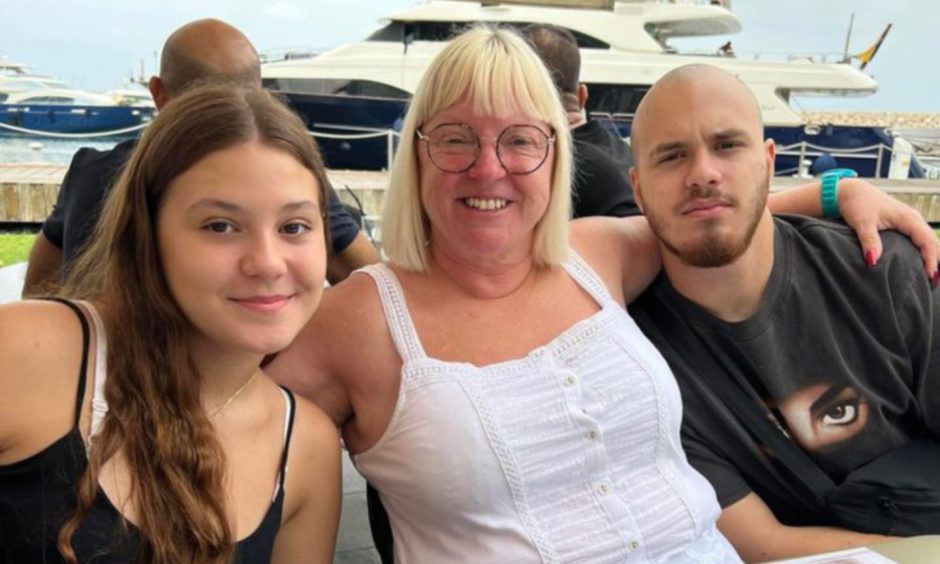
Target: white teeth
486,204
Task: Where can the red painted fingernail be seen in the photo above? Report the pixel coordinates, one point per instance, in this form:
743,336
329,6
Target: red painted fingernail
870,258
935,278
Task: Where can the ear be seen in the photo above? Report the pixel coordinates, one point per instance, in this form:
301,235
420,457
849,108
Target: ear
637,189
582,95
157,91
770,149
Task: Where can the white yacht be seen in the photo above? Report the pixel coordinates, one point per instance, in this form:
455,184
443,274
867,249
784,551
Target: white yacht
625,46
37,104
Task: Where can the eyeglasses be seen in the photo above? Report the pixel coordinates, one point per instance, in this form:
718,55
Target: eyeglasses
455,147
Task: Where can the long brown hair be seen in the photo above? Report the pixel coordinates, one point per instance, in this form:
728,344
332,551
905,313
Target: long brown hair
155,419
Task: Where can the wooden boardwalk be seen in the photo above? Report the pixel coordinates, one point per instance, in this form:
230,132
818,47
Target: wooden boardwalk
28,191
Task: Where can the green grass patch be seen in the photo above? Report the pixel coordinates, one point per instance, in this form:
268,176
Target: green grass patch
15,247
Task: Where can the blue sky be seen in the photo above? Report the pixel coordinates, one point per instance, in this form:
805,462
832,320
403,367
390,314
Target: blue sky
96,44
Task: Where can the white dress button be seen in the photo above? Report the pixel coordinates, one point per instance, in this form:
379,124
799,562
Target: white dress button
603,489
591,435
570,380
633,545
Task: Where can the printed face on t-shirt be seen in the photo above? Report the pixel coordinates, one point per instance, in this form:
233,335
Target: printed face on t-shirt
823,415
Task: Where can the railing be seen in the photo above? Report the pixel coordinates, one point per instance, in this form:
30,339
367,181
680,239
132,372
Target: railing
389,134
821,57
803,149
40,133
931,165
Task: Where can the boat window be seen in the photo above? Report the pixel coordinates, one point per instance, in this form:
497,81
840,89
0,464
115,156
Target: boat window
47,100
392,32
445,31
435,31
343,87
614,99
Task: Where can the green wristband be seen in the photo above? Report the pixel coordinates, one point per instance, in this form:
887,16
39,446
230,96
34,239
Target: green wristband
828,192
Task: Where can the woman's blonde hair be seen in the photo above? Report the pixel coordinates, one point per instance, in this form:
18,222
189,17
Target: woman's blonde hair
499,73
155,419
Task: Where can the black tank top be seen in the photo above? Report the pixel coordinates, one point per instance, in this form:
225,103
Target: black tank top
37,495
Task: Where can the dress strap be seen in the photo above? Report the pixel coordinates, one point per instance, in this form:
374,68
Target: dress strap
86,343
585,276
397,317
290,405
99,406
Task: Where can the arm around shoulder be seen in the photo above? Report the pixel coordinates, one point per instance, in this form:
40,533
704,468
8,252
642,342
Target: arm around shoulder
624,250
313,489
866,209
322,359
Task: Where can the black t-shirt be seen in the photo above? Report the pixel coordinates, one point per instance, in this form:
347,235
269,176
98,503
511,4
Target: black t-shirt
602,163
88,182
844,358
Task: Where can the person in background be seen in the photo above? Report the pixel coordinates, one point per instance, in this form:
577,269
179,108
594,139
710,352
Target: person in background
823,163
206,49
135,424
842,356
602,161
488,380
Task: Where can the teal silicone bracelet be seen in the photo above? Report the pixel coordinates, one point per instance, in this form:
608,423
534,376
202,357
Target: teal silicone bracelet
829,196
828,191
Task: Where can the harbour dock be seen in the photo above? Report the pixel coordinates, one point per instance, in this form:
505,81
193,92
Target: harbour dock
28,191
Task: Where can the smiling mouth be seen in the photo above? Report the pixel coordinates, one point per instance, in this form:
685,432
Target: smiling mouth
263,304
486,204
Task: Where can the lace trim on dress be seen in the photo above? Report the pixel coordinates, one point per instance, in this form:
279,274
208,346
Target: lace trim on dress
396,312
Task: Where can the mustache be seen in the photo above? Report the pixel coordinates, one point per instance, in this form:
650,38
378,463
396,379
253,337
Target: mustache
706,193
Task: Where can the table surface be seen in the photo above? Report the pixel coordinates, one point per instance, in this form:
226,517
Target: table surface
914,550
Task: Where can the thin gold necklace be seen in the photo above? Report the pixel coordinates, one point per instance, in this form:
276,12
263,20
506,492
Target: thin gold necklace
232,397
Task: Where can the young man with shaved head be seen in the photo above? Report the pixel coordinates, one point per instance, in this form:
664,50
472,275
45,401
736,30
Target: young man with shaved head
784,341
206,49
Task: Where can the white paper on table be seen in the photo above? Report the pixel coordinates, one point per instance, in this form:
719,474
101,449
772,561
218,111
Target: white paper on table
850,556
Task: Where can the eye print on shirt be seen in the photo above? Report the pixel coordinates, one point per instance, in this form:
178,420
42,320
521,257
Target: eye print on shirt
823,415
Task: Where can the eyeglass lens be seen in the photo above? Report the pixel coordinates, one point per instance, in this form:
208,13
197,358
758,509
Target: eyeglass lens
521,149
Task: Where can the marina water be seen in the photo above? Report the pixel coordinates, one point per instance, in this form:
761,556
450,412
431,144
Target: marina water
22,149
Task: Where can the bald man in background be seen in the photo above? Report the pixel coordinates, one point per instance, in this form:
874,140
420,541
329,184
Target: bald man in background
602,161
786,345
202,50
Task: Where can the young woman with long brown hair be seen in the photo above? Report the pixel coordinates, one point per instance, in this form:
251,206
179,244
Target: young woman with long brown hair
210,253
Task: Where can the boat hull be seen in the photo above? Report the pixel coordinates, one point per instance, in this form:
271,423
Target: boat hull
352,132
52,118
